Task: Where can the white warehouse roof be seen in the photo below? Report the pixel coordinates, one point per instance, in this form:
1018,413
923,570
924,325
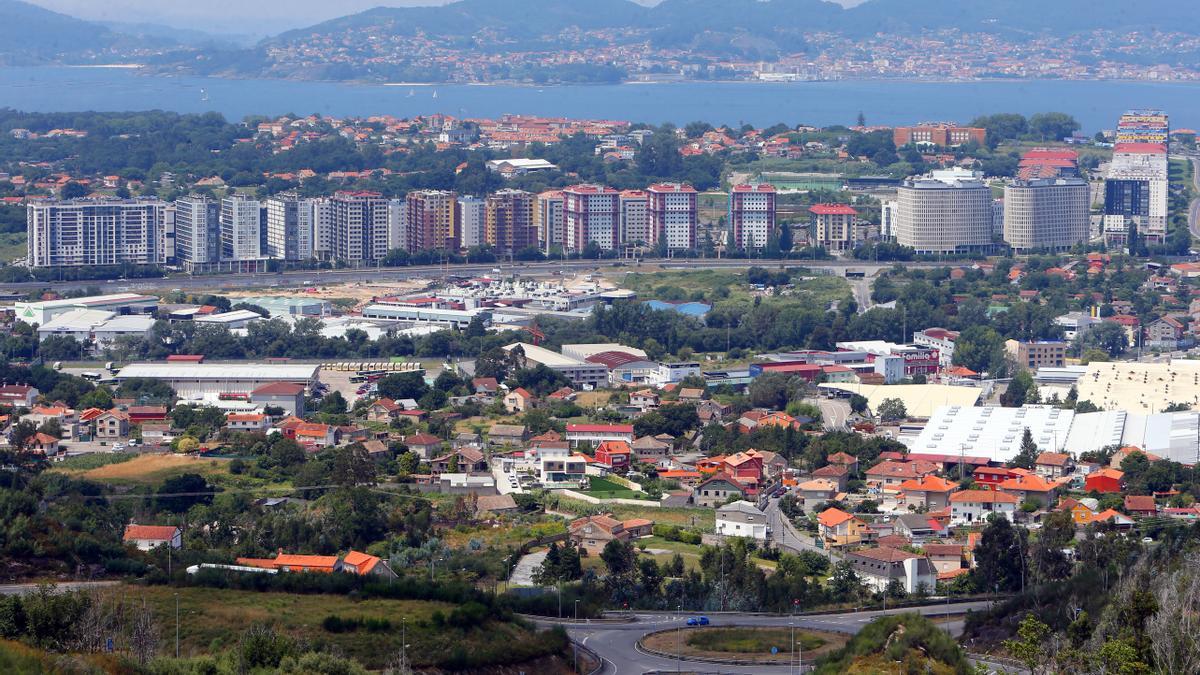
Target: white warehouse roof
994,433
286,372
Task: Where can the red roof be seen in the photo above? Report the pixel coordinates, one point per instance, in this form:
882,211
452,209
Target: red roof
279,389
185,358
1143,148
833,210
761,187
149,532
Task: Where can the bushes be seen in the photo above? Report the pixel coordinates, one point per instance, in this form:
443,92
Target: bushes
676,533
895,637
336,624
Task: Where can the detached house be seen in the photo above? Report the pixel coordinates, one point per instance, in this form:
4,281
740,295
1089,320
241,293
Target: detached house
44,444
519,400
147,537
931,492
717,490
1053,465
888,474
616,454
426,446
878,567
644,400
316,435
839,528
834,472
247,422
112,424
469,460
384,410
742,519
968,507
592,533
1141,506
652,449
1031,488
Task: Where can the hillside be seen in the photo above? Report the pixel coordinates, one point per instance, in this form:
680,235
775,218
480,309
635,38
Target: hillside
30,35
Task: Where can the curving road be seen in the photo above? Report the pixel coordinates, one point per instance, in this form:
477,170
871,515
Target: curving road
1194,207
617,643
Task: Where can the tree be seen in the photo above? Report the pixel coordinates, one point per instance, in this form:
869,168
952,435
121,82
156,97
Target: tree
771,390
74,190
1052,126
1106,336
892,410
845,584
180,493
403,385
999,557
1021,390
333,403
785,239
352,465
618,557
858,404
1028,648
981,349
1027,455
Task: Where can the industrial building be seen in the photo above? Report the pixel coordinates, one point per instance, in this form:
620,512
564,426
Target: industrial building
450,318
209,381
1141,388
41,311
994,433
580,373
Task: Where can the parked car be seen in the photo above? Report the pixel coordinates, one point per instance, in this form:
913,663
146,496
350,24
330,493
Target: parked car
697,621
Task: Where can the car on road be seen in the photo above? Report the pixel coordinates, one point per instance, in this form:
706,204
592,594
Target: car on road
697,621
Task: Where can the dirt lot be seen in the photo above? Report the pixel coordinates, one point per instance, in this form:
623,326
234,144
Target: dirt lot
153,469
360,292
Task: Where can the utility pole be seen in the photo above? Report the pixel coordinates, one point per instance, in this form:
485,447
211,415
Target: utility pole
177,625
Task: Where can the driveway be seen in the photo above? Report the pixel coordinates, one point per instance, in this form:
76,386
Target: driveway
526,567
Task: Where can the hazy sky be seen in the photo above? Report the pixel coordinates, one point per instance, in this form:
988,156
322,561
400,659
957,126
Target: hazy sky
258,17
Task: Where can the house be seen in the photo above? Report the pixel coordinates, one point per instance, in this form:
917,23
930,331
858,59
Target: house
839,528
598,433
931,492
561,394
365,565
592,533
691,395
713,411
968,507
616,454
485,386
1166,332
718,490
462,460
879,567
748,465
1105,481
383,410
1116,518
147,413
247,422
945,557
1141,506
316,435
496,504
991,477
681,476
917,527
507,434
639,527
773,463
1031,488
287,396
651,449
560,468
815,492
836,473
1080,513
147,537
18,395
465,439
889,474
157,434
644,400
40,414
843,459
377,450
426,446
1053,465
519,400
44,444
112,424
742,519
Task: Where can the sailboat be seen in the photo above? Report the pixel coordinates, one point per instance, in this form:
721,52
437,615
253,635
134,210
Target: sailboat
203,94
435,93
412,92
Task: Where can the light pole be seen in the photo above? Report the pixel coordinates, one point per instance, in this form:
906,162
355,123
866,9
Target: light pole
679,645
177,625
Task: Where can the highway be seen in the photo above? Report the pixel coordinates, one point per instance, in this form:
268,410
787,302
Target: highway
616,643
293,278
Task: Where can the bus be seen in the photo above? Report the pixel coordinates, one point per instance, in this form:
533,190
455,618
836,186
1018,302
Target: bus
91,376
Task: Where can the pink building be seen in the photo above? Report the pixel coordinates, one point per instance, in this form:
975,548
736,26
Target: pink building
751,215
672,209
592,214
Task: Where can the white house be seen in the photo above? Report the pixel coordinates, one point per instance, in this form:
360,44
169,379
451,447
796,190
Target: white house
878,567
147,537
974,506
742,519
598,433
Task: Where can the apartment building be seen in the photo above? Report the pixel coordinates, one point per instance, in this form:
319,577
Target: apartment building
432,220
241,228
751,215
1046,214
549,221
946,212
508,221
359,223
672,210
1135,193
833,226
940,135
90,232
592,215
471,221
197,231
635,218
1033,355
289,227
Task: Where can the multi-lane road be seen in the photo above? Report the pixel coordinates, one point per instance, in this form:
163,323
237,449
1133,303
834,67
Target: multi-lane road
383,274
617,643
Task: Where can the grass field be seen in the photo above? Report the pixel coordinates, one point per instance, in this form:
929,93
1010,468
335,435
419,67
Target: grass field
12,246
213,619
151,469
751,640
93,460
686,285
699,519
601,488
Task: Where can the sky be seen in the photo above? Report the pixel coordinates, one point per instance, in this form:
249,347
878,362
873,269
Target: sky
248,17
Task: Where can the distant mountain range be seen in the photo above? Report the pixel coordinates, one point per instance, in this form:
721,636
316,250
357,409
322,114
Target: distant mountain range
755,29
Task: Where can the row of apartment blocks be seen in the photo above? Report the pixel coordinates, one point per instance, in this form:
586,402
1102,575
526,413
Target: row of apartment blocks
241,233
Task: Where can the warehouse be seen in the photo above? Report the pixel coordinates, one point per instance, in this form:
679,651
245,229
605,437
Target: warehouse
450,318
121,303
211,381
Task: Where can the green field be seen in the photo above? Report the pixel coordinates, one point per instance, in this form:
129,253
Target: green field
703,285
751,640
12,246
602,488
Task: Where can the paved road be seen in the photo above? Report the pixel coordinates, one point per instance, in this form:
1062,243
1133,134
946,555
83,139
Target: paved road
525,568
834,412
786,536
1194,207
617,643
383,274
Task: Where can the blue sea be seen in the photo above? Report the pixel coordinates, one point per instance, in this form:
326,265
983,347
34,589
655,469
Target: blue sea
1096,104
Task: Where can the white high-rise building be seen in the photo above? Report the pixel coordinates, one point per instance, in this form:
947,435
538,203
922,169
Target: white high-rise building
635,217
359,226
289,227
549,220
197,231
1135,192
1048,214
751,215
92,232
241,228
471,220
946,212
397,225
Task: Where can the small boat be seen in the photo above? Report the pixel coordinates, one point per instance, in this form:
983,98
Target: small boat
412,92
203,94
435,94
